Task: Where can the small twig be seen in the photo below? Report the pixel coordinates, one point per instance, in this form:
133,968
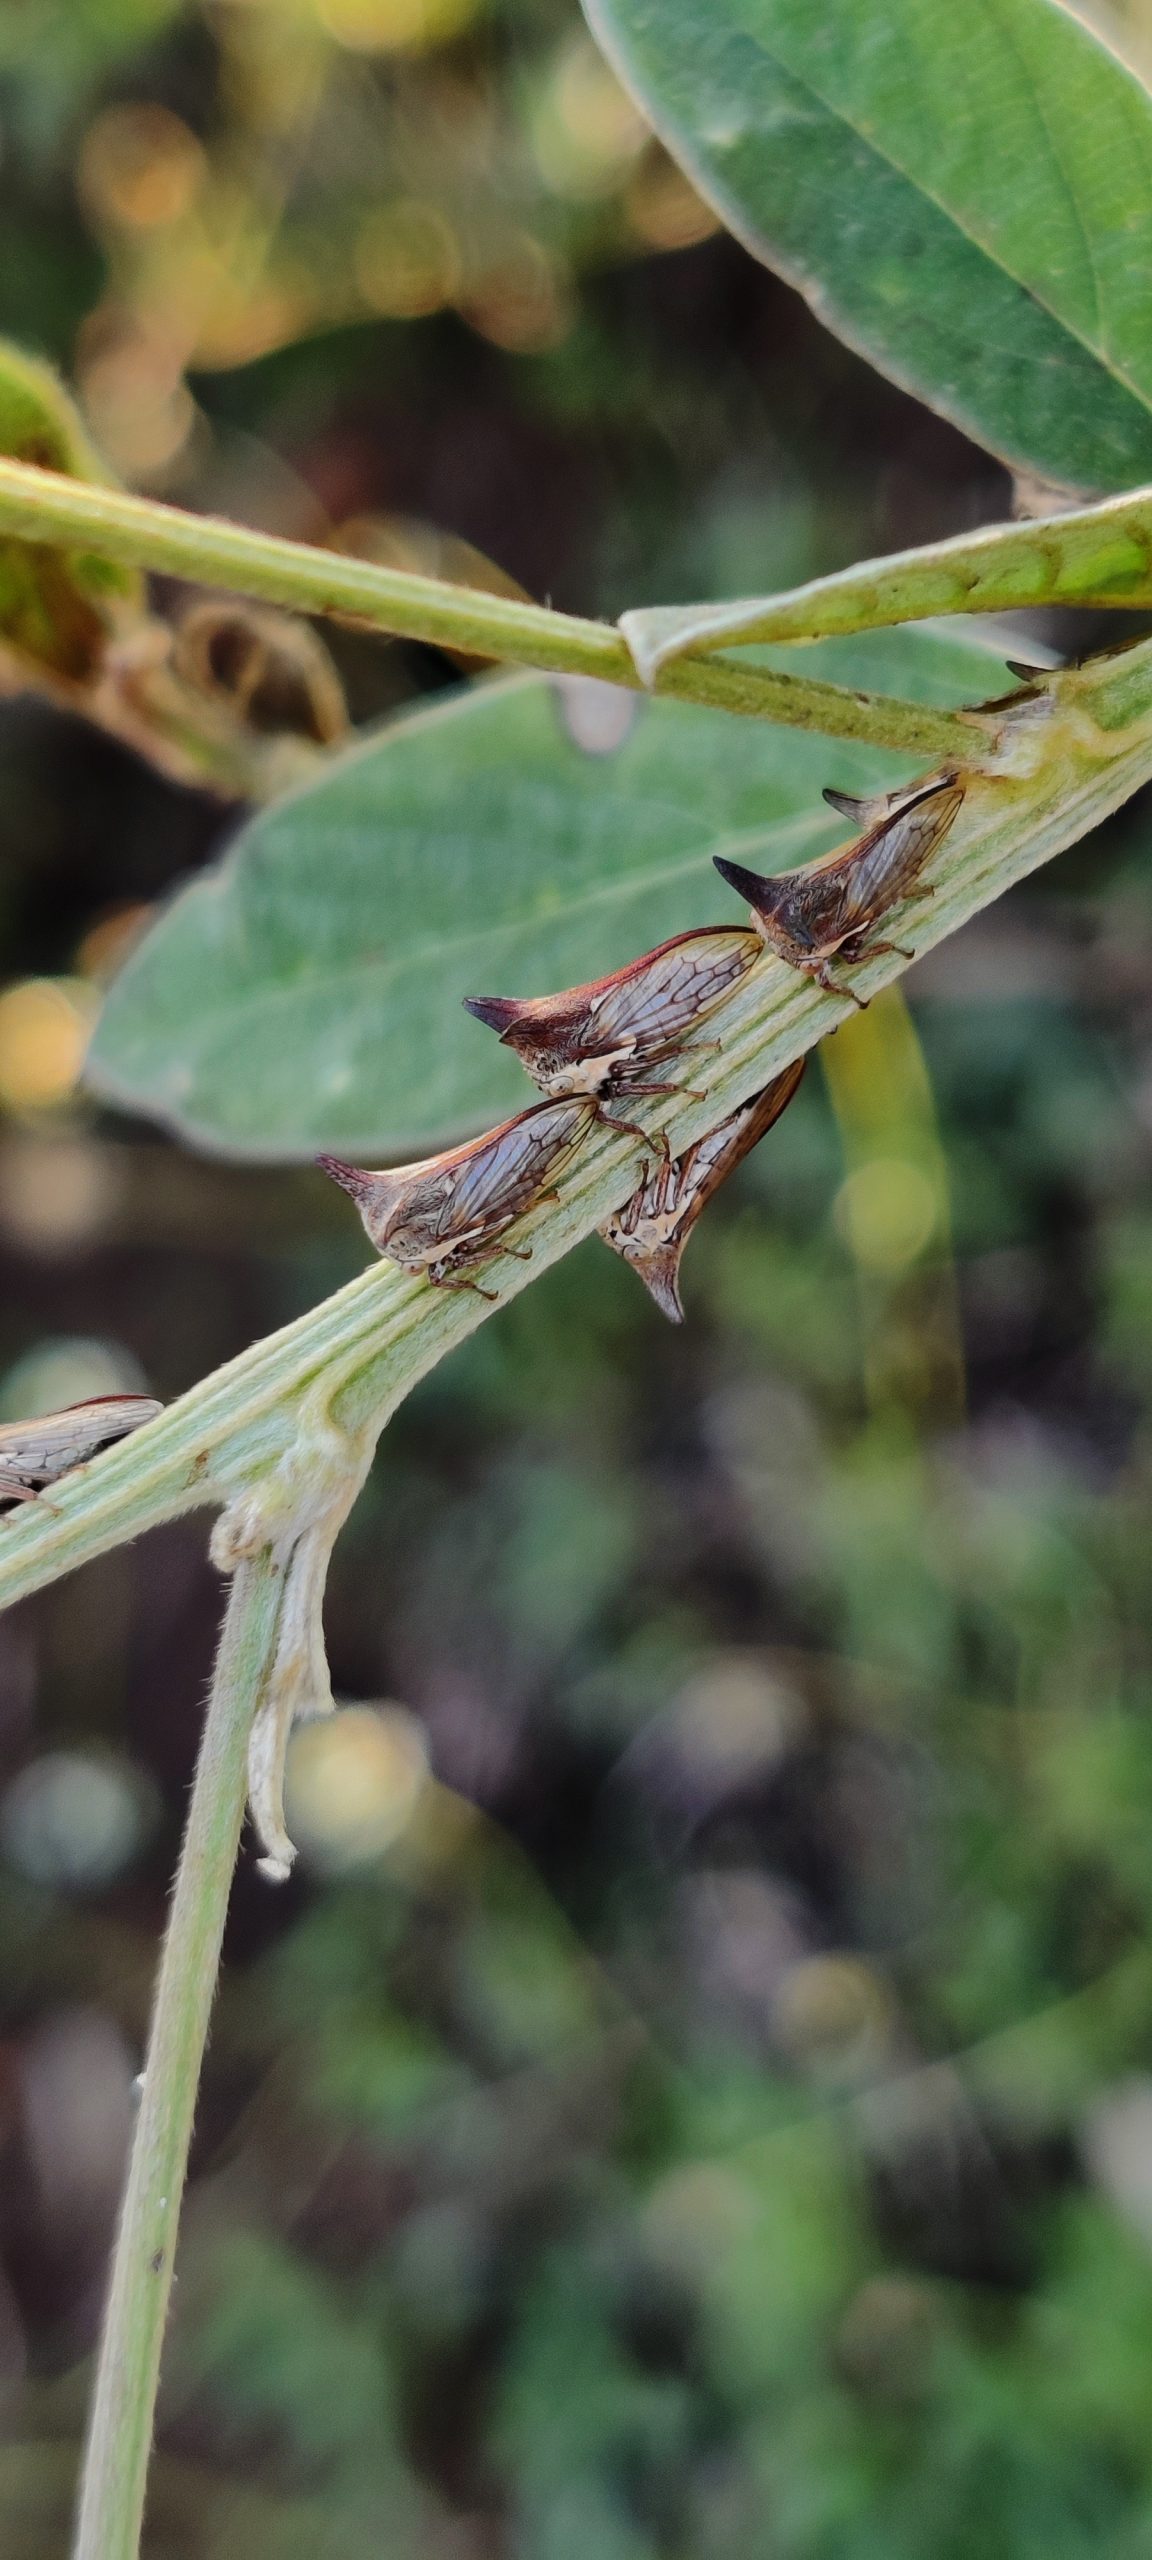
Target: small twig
40,505
120,2425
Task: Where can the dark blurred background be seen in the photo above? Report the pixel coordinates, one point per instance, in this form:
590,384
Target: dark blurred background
694,2099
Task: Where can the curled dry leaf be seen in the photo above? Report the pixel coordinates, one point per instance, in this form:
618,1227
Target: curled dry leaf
268,669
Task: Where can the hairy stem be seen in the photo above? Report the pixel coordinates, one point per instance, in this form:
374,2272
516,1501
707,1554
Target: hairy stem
120,2424
37,505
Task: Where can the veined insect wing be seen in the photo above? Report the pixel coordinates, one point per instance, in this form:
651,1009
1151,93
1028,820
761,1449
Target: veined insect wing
464,1198
838,895
878,870
38,1452
649,1003
660,997
501,1174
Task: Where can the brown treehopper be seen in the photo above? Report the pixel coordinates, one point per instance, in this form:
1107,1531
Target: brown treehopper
449,1214
37,1453
654,1225
828,909
607,1040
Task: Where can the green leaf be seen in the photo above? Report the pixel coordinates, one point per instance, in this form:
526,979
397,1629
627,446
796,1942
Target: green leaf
964,195
56,607
306,993
1097,556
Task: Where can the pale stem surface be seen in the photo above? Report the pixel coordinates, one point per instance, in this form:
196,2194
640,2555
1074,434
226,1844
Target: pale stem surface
120,2423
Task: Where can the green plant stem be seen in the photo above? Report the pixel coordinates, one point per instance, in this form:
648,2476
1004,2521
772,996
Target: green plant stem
119,2436
1092,557
38,506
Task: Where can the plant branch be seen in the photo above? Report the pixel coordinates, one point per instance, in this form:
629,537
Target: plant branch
120,2422
259,1427
1097,556
37,506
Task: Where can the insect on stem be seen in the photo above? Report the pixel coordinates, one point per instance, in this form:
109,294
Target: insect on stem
449,1214
828,910
37,1453
652,1229
607,1040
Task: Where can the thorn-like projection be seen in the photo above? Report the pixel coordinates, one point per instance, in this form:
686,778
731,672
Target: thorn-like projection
652,1229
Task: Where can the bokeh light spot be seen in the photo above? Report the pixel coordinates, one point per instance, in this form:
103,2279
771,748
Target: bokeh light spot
45,1026
140,167
74,1820
58,1191
66,1369
887,1212
664,208
353,1783
833,2013
523,301
107,943
139,407
407,262
587,132
394,26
